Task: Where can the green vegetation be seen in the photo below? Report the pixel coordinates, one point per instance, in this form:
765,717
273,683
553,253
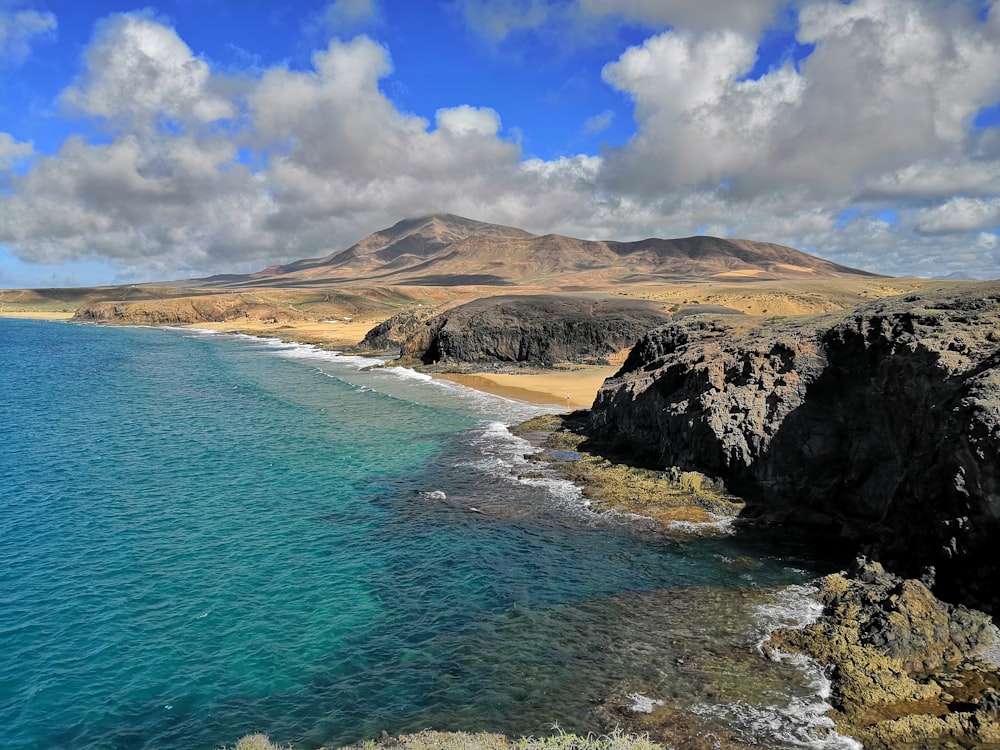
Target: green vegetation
679,502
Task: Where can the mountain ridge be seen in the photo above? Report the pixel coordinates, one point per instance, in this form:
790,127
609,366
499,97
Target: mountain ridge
448,250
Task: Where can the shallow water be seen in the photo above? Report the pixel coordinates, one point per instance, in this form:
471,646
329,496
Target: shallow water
202,536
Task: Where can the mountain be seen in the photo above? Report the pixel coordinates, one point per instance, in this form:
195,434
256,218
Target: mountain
448,250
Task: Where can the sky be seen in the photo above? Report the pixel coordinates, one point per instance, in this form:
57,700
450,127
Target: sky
183,138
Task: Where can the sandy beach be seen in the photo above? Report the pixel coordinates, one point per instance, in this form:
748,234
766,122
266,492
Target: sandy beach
328,334
35,315
570,386
579,383
574,388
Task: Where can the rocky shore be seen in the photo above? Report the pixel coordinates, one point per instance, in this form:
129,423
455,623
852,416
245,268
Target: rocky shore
880,426
908,671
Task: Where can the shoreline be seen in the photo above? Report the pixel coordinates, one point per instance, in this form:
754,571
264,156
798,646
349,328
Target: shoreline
540,387
36,315
532,387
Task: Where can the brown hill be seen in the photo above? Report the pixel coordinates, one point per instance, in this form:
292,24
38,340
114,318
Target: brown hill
447,250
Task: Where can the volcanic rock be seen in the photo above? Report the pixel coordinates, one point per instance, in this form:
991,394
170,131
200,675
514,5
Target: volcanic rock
882,425
535,330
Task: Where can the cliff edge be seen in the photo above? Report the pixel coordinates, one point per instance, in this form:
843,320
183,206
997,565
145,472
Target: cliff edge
881,424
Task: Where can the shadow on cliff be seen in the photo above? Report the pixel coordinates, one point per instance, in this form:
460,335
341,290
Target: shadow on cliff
897,455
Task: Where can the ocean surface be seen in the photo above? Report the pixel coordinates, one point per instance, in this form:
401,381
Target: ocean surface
207,535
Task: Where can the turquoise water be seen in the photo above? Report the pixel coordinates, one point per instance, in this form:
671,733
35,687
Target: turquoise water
202,536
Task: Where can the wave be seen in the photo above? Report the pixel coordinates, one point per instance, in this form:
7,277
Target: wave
803,722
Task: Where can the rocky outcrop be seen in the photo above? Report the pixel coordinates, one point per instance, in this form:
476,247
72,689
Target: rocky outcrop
187,310
882,424
534,330
392,334
908,670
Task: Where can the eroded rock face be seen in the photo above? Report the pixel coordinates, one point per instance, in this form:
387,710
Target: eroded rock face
883,424
537,330
185,311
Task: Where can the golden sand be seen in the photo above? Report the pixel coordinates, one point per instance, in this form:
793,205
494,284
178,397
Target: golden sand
551,387
330,334
580,383
36,315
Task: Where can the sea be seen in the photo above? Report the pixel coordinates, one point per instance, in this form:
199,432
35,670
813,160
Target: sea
205,535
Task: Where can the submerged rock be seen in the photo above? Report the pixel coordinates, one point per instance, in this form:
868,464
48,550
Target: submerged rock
882,425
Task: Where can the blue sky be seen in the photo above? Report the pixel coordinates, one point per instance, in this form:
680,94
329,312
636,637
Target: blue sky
183,138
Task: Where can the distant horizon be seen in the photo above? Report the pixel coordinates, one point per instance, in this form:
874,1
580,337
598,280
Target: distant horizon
178,140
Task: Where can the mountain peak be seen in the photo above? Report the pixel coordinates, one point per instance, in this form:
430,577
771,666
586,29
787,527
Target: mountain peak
445,249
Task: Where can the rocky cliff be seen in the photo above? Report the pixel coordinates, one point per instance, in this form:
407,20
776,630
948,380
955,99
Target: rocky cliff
535,330
187,310
882,424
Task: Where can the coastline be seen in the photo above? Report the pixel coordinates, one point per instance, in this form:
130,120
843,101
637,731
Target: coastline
542,387
550,387
36,315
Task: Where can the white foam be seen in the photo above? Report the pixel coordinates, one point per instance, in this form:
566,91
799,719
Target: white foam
503,457
719,525
804,721
642,704
406,372
793,607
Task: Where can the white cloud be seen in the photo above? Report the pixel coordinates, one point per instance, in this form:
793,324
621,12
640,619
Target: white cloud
139,72
19,29
12,151
599,123
890,84
343,15
465,121
960,215
699,123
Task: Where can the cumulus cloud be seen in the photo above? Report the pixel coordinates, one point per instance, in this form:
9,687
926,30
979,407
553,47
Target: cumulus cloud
139,73
890,83
199,174
20,29
468,121
960,215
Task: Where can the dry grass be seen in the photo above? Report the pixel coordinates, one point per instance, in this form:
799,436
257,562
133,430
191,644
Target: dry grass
431,740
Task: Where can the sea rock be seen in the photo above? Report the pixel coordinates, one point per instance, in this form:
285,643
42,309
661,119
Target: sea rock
534,330
882,424
908,670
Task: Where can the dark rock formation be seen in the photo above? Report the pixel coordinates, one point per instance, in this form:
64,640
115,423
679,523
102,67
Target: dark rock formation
535,330
391,334
883,424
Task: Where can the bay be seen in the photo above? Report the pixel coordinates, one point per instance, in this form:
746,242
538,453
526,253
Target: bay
203,536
